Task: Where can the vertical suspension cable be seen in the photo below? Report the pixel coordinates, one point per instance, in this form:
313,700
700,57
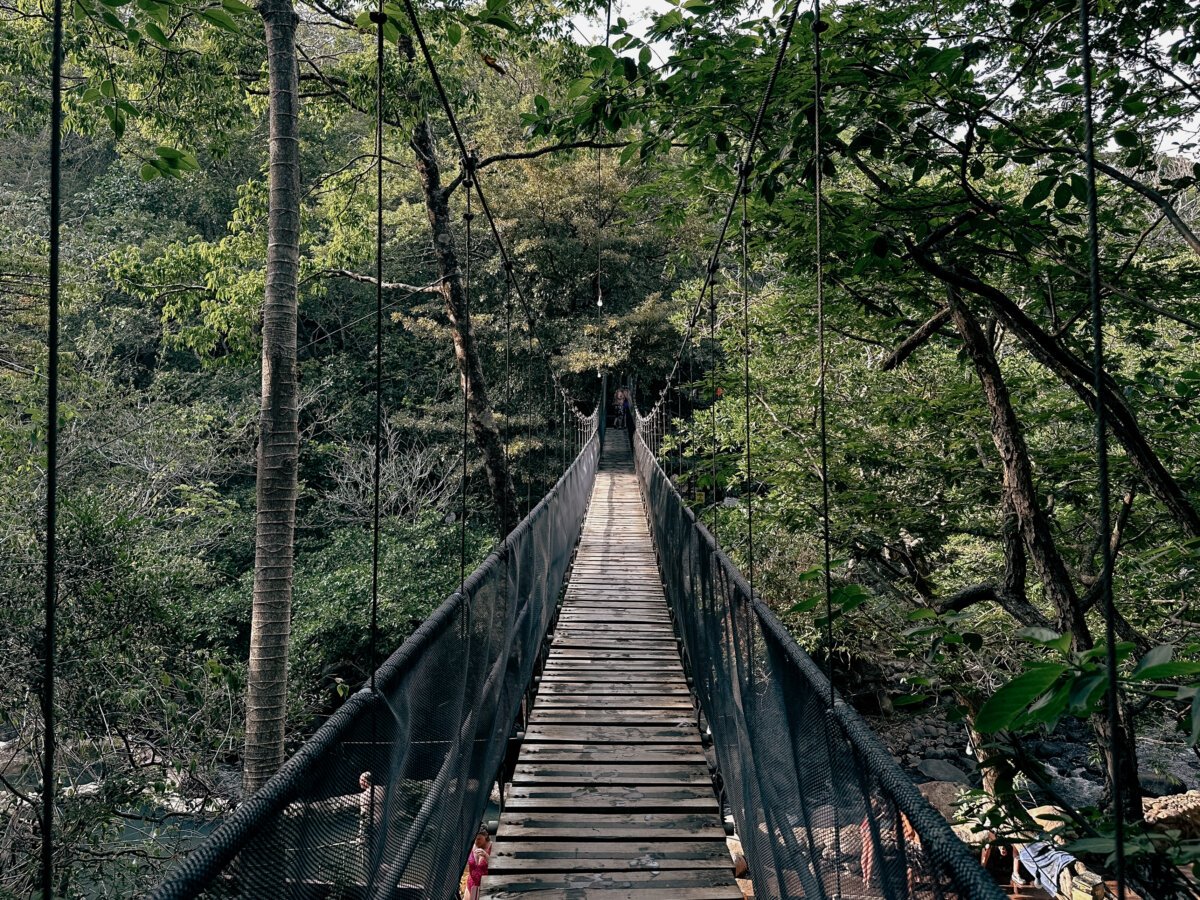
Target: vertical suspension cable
468,183
378,17
822,362
818,28
506,525
746,378
1105,513
712,380
50,636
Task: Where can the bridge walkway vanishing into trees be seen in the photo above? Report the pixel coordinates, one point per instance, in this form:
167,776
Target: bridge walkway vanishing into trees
605,786
612,790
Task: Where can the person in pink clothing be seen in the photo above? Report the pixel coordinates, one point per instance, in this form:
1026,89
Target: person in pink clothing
477,864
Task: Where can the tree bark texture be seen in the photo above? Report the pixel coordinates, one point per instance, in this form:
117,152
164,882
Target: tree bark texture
1034,527
278,444
1076,374
466,351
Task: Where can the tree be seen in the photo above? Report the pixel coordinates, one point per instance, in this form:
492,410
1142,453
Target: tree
278,442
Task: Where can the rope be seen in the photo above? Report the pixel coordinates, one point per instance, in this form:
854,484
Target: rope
51,594
378,17
507,393
1106,569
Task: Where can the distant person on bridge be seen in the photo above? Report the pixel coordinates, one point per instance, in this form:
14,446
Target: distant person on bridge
619,403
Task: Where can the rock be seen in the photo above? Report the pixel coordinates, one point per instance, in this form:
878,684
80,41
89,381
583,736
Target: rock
1181,811
942,796
741,868
1161,785
940,770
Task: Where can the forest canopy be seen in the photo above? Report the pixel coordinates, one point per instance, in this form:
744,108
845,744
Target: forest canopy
201,258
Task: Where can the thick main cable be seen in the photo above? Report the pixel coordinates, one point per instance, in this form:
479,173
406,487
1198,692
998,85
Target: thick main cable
50,636
1105,513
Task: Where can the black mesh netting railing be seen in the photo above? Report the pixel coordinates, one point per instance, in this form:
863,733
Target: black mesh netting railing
432,738
821,808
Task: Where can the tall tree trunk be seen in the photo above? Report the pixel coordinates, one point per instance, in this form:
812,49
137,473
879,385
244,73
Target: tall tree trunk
278,443
466,351
1076,374
1034,527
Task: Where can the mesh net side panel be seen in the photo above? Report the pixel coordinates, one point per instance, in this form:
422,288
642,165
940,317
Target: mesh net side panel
432,738
821,808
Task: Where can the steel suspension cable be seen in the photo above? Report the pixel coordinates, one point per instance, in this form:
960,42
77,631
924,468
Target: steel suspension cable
378,17
473,180
744,167
1105,514
818,28
822,353
50,599
746,378
469,174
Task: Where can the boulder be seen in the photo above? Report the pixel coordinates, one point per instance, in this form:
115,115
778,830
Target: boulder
940,770
942,796
1181,811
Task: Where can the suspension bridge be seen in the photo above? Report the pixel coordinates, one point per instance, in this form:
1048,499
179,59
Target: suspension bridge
607,691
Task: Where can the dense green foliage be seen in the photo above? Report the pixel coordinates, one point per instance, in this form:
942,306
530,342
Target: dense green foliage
951,138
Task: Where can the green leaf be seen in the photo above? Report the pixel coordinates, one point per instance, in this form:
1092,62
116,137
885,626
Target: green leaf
1012,699
1062,194
149,172
1040,191
909,699
156,34
849,596
1083,692
805,605
453,33
578,88
1125,138
237,7
918,614
221,19
944,59
1156,656
1167,670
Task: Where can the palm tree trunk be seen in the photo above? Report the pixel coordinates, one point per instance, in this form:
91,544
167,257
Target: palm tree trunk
278,444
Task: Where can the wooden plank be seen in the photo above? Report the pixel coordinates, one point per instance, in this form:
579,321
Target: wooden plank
549,773
608,826
642,735
609,754
645,798
515,857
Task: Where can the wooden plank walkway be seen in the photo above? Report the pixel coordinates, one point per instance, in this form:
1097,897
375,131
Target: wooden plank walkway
611,796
